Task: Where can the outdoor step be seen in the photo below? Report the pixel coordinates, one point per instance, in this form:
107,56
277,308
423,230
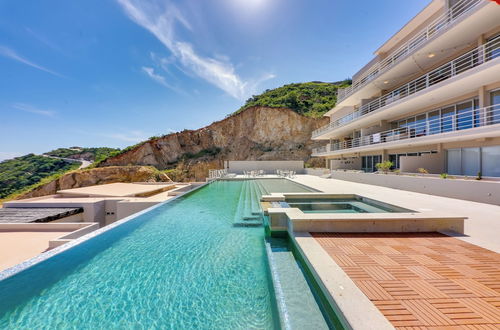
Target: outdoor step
252,223
239,208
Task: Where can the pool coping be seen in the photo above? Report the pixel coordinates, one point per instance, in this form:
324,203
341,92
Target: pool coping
354,308
293,219
9,272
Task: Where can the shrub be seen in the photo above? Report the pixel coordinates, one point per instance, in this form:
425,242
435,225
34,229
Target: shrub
443,175
479,175
312,99
384,166
422,170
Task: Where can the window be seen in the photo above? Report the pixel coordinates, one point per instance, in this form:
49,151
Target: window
454,161
464,115
368,163
491,161
471,161
421,125
394,159
434,122
447,114
493,50
493,115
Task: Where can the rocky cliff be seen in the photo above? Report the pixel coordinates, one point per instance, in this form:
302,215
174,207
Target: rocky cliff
257,133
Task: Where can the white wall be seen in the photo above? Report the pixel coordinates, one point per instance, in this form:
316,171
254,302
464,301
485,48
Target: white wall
471,190
317,171
269,166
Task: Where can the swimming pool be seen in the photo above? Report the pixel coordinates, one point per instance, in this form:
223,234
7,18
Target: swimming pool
181,265
354,204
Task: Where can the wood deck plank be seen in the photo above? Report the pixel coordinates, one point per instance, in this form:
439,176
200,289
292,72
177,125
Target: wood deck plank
422,280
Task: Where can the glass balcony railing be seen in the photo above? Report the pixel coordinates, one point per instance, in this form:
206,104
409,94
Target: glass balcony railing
439,24
469,60
461,120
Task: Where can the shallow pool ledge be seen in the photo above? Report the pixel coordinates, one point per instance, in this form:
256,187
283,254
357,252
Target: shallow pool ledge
354,309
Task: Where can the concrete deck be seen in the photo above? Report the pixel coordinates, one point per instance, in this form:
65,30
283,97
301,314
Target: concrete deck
17,246
426,280
116,190
482,227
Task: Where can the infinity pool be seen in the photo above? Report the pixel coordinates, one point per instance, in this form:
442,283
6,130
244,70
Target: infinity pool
181,265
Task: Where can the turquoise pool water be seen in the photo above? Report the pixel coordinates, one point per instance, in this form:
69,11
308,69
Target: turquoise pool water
343,205
182,265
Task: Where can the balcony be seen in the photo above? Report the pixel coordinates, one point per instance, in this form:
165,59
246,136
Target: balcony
467,61
463,121
433,29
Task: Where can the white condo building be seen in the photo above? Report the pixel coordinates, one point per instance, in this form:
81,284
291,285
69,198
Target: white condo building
429,99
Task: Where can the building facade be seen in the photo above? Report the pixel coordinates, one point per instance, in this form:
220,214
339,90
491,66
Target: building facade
429,99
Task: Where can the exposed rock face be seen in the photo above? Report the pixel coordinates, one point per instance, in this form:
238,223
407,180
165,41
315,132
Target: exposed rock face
258,133
85,178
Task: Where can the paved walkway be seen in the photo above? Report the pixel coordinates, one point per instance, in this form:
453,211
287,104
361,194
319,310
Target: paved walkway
482,227
424,280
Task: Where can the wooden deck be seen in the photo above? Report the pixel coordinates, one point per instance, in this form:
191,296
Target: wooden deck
422,280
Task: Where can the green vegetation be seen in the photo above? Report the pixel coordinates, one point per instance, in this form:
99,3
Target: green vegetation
22,172
210,152
91,154
312,99
384,166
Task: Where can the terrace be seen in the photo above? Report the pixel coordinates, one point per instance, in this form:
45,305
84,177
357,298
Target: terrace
441,75
436,27
447,126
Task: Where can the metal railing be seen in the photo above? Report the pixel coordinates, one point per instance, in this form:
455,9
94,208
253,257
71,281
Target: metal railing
321,150
461,120
217,174
438,25
469,60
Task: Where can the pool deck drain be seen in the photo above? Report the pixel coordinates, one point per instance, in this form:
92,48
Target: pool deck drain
425,280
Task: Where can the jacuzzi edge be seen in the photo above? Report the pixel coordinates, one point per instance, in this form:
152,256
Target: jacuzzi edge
9,272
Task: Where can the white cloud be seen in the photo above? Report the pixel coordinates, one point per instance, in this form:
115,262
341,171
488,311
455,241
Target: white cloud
9,155
9,53
160,21
156,77
31,109
150,72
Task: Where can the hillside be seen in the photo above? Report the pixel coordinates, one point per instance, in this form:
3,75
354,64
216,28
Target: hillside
311,99
21,172
275,125
256,133
90,154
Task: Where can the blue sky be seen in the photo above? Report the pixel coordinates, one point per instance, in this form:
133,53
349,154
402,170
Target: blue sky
115,72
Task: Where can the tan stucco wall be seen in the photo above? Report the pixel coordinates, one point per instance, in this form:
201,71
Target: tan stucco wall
347,163
433,163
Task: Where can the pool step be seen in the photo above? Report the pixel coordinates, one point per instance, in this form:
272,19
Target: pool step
248,223
296,304
248,212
